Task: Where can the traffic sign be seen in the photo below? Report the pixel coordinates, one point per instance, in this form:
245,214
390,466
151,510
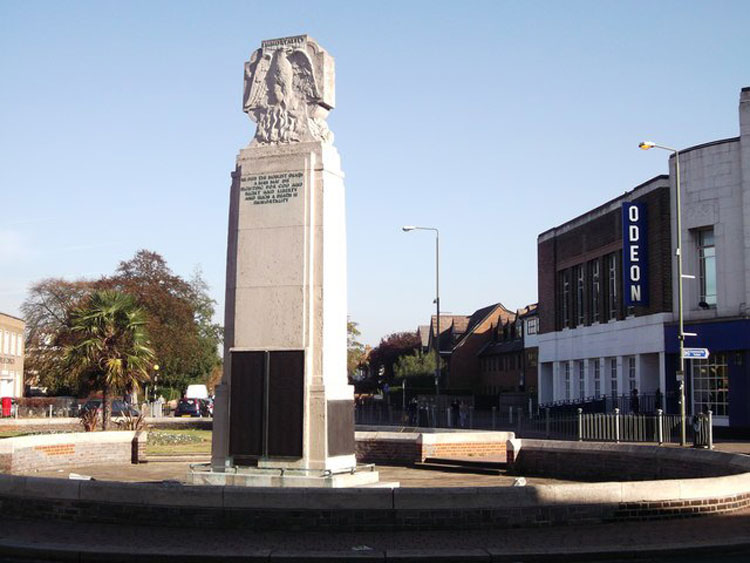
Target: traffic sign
695,353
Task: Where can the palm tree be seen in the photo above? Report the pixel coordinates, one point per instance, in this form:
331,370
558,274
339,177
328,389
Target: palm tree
110,344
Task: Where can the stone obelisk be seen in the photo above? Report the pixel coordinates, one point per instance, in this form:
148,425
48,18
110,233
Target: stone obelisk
284,401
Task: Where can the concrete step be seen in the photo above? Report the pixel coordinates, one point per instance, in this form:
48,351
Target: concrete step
458,468
493,463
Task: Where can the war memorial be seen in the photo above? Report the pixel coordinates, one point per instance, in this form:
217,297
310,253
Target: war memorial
286,459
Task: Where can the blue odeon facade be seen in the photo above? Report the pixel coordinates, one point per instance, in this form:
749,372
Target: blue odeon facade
608,287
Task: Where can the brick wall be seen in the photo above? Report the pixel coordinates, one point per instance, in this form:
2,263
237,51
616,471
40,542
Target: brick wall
586,461
392,448
51,451
594,239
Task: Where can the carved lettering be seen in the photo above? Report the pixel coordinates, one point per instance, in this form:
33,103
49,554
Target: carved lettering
264,189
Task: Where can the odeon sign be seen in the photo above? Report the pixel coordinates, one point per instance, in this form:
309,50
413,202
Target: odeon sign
634,253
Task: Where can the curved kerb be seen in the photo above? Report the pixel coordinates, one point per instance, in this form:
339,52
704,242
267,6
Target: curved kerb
709,482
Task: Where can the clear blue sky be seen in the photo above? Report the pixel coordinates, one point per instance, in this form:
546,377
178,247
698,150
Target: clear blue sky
494,121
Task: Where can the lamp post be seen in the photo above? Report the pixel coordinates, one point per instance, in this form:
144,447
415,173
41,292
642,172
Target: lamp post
646,145
437,299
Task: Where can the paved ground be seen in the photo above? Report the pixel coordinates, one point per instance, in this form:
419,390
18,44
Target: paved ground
707,539
724,538
164,468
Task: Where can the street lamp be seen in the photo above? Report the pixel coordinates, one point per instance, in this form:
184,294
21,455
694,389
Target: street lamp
408,228
646,145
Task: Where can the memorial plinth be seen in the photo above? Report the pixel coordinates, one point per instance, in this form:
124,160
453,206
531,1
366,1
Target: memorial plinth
284,402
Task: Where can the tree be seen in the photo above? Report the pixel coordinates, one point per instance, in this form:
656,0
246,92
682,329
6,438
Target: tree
415,365
179,322
180,317
46,312
390,349
355,350
112,349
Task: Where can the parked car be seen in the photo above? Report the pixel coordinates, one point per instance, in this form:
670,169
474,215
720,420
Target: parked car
207,407
118,407
188,407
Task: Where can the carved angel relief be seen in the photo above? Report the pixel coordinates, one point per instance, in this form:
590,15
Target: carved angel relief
283,96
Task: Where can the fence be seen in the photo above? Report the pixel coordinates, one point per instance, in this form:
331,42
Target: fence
615,427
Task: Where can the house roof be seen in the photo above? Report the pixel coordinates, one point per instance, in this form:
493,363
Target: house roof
458,322
423,331
479,316
527,311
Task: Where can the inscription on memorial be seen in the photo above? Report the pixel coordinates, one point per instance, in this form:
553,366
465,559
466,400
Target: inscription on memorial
264,189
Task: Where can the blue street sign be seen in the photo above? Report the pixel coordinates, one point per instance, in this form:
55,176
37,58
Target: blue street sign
695,353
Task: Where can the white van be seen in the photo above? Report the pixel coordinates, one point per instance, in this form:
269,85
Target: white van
196,392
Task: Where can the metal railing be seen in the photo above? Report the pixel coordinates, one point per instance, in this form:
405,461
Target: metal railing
657,428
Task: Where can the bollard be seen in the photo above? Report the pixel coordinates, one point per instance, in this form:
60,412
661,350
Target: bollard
580,424
617,425
518,420
710,430
510,415
50,411
449,420
546,422
493,417
659,427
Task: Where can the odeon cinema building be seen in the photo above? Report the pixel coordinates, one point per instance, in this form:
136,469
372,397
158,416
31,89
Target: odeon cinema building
608,321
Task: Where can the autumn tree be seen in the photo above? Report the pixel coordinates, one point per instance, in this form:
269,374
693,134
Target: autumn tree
46,312
355,350
179,320
390,349
180,317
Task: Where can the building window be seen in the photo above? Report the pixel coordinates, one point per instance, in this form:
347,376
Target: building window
611,286
631,374
567,381
581,381
613,376
597,369
565,299
596,290
711,385
532,326
707,266
580,274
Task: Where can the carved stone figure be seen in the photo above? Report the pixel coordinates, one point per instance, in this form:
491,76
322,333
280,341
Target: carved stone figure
284,91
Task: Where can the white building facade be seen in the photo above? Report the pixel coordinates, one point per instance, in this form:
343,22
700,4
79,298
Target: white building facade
594,343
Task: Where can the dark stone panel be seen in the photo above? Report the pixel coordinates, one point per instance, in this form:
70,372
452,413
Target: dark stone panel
340,427
286,386
246,404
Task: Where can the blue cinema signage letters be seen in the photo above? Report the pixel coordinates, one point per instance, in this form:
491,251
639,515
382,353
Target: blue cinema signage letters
634,253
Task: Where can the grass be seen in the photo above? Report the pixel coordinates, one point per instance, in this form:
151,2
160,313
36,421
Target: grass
12,433
178,442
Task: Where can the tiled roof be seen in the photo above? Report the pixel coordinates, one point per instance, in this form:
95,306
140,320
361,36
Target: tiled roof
458,322
528,310
423,331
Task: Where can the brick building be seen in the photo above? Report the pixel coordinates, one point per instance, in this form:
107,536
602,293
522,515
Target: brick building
11,356
508,361
607,319
464,370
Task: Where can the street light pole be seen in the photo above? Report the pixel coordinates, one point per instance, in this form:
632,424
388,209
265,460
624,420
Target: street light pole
681,330
437,298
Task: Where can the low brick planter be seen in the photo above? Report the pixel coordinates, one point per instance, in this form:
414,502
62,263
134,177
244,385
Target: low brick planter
51,451
405,448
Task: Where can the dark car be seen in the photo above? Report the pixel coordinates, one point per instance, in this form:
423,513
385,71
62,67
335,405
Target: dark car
207,407
188,407
118,407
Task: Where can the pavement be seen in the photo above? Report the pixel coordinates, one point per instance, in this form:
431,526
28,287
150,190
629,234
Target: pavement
703,539
706,539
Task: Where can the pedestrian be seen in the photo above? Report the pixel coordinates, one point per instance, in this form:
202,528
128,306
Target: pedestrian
455,413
